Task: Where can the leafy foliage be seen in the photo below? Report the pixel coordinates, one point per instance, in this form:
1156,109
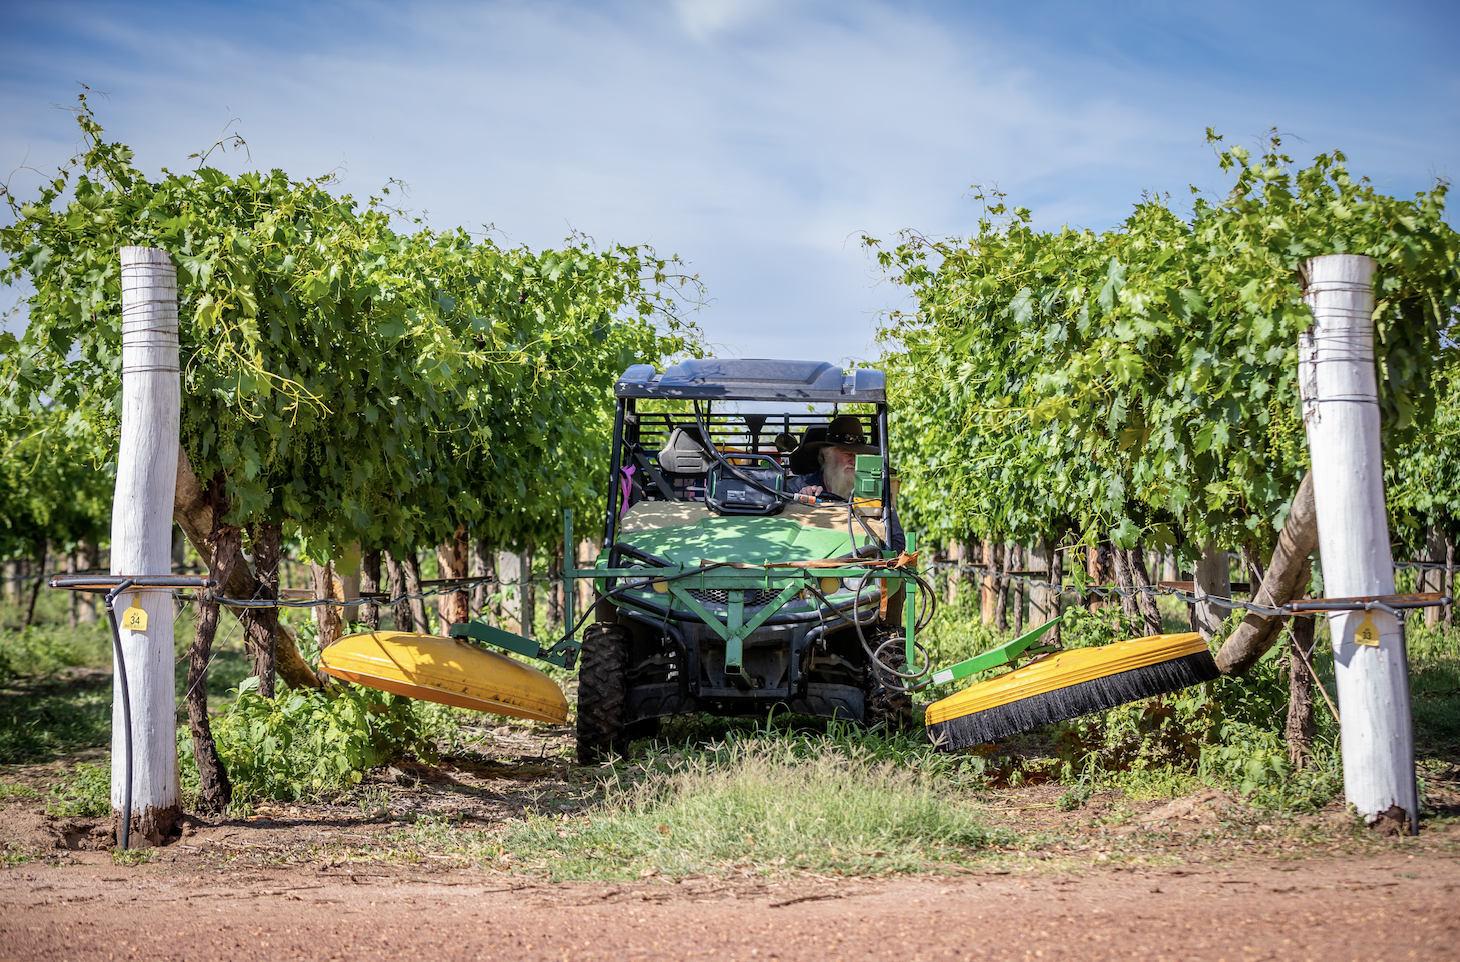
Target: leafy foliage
1422,480
54,486
351,381
1140,383
86,791
307,742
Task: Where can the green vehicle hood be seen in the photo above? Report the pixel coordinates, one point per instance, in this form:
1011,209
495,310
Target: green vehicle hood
748,539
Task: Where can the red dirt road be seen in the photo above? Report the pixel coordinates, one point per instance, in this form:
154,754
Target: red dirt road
1394,907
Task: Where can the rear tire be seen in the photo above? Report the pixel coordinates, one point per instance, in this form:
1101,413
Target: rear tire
602,680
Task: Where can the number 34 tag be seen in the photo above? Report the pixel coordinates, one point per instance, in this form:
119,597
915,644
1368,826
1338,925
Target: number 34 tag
134,618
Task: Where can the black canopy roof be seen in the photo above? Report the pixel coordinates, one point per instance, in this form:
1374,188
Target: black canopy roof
754,379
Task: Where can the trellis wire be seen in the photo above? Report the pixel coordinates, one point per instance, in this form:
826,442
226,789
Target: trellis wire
450,586
1311,606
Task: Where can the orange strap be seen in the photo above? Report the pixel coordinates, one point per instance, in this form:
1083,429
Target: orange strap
903,560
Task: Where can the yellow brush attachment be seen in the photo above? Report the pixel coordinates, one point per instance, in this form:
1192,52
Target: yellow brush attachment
448,671
1068,684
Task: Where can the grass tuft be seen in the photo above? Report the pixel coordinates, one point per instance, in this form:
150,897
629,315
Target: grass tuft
771,805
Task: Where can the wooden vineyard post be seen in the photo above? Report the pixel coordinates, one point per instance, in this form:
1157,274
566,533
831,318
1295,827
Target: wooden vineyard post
1341,414
142,539
1212,578
988,583
453,559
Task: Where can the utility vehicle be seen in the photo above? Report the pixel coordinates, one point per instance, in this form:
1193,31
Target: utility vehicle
726,585
719,591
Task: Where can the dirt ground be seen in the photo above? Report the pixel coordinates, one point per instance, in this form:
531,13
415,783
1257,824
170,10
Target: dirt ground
387,876
1396,906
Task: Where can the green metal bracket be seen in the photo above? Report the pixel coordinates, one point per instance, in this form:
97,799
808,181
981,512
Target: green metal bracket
694,605
570,570
1005,654
735,629
563,654
909,610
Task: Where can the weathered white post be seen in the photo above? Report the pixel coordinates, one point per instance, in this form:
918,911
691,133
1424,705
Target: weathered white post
1341,413
142,538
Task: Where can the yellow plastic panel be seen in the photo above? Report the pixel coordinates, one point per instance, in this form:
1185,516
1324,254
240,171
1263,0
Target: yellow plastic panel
448,671
1063,669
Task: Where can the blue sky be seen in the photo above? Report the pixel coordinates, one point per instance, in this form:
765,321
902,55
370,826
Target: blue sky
755,139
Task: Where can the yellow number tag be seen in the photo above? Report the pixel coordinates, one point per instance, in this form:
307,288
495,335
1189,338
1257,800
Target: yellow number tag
1366,633
134,618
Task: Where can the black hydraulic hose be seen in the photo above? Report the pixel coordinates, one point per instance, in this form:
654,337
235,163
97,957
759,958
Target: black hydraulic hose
637,555
114,585
918,624
851,536
709,445
111,616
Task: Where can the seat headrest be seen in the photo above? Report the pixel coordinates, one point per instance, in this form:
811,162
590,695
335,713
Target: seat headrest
685,452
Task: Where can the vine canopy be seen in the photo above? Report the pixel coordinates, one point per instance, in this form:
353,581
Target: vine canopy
1141,383
350,380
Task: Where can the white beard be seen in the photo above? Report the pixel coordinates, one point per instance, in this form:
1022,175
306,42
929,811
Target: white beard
839,480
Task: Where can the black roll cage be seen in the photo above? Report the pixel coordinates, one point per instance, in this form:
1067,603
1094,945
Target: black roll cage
626,415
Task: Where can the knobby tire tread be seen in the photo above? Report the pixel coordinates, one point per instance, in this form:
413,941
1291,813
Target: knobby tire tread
602,681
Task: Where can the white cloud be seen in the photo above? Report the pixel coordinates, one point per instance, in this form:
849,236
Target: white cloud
758,148
702,19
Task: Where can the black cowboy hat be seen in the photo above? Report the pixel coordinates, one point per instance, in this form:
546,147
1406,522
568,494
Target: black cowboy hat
843,432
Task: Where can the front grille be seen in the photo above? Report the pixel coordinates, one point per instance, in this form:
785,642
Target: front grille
757,598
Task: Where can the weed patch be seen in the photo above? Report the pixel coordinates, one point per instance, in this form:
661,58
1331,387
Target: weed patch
303,743
86,791
10,790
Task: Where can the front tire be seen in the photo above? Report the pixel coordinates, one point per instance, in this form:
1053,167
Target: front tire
886,703
602,680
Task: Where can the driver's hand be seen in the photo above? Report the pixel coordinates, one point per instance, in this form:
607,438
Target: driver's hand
811,489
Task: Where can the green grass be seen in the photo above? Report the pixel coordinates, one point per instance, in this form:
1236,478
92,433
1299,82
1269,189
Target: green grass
86,791
44,720
1434,671
777,803
12,790
51,704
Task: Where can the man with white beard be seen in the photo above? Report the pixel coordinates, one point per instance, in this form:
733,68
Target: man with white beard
828,466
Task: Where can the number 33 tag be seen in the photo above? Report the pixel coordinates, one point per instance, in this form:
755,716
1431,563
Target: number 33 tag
1366,633
134,618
